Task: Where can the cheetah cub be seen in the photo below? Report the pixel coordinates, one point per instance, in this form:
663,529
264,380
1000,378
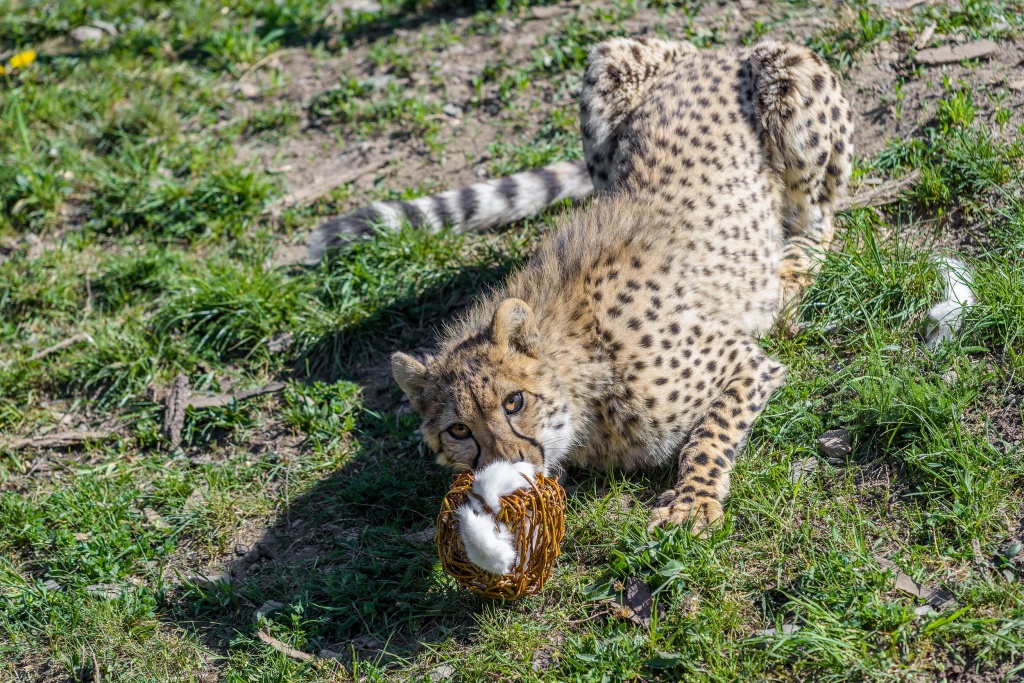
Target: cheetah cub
631,336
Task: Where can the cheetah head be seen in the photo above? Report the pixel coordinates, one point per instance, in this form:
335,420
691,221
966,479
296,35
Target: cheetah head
489,396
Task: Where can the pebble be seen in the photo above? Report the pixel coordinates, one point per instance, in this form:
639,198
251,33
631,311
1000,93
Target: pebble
87,34
835,444
442,672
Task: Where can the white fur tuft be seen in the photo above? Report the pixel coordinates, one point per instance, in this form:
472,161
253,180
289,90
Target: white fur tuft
488,543
946,317
500,479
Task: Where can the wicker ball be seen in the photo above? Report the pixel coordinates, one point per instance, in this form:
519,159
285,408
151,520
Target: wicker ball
535,516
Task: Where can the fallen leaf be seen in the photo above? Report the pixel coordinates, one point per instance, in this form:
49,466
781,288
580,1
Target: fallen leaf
936,597
634,602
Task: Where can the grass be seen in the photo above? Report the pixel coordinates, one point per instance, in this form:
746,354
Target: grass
132,210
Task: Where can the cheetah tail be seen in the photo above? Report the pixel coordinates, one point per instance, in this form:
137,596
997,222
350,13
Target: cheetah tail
475,207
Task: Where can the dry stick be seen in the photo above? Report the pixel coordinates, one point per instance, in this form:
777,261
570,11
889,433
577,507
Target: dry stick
174,413
181,398
886,193
218,400
60,439
315,190
282,648
70,341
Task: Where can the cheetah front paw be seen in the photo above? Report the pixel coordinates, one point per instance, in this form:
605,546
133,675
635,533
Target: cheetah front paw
701,515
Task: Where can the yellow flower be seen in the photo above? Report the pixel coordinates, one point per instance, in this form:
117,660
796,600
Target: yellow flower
1,69
23,59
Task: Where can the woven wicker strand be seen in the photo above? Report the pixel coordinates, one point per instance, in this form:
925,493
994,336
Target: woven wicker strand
535,516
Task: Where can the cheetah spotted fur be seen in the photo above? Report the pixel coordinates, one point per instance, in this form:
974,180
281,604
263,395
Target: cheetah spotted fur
630,338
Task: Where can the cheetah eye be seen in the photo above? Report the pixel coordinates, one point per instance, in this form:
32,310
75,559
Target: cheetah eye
513,403
459,431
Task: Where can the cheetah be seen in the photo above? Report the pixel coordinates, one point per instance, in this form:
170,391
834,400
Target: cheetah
631,338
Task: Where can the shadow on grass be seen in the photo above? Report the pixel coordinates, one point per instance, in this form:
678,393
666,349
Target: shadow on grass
352,562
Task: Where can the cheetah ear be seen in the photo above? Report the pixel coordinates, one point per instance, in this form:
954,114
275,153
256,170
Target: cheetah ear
410,375
514,326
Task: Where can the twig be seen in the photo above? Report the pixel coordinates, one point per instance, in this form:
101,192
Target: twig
174,413
272,56
181,398
60,440
88,293
218,400
282,648
315,190
70,341
886,193
95,669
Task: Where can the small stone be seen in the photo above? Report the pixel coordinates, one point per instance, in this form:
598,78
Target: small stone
1008,575
105,26
442,672
266,608
1017,86
950,54
280,342
210,579
81,537
51,585
241,549
453,110
923,610
802,469
248,90
87,34
835,444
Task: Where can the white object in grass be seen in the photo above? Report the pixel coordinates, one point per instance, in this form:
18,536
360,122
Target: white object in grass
489,543
947,317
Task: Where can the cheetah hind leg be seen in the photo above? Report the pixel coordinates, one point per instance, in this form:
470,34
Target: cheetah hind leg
717,438
809,135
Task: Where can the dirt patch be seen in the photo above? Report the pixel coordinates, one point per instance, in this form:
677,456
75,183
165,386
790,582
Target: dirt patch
1006,424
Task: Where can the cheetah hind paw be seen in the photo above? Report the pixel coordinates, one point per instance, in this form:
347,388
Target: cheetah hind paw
673,511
